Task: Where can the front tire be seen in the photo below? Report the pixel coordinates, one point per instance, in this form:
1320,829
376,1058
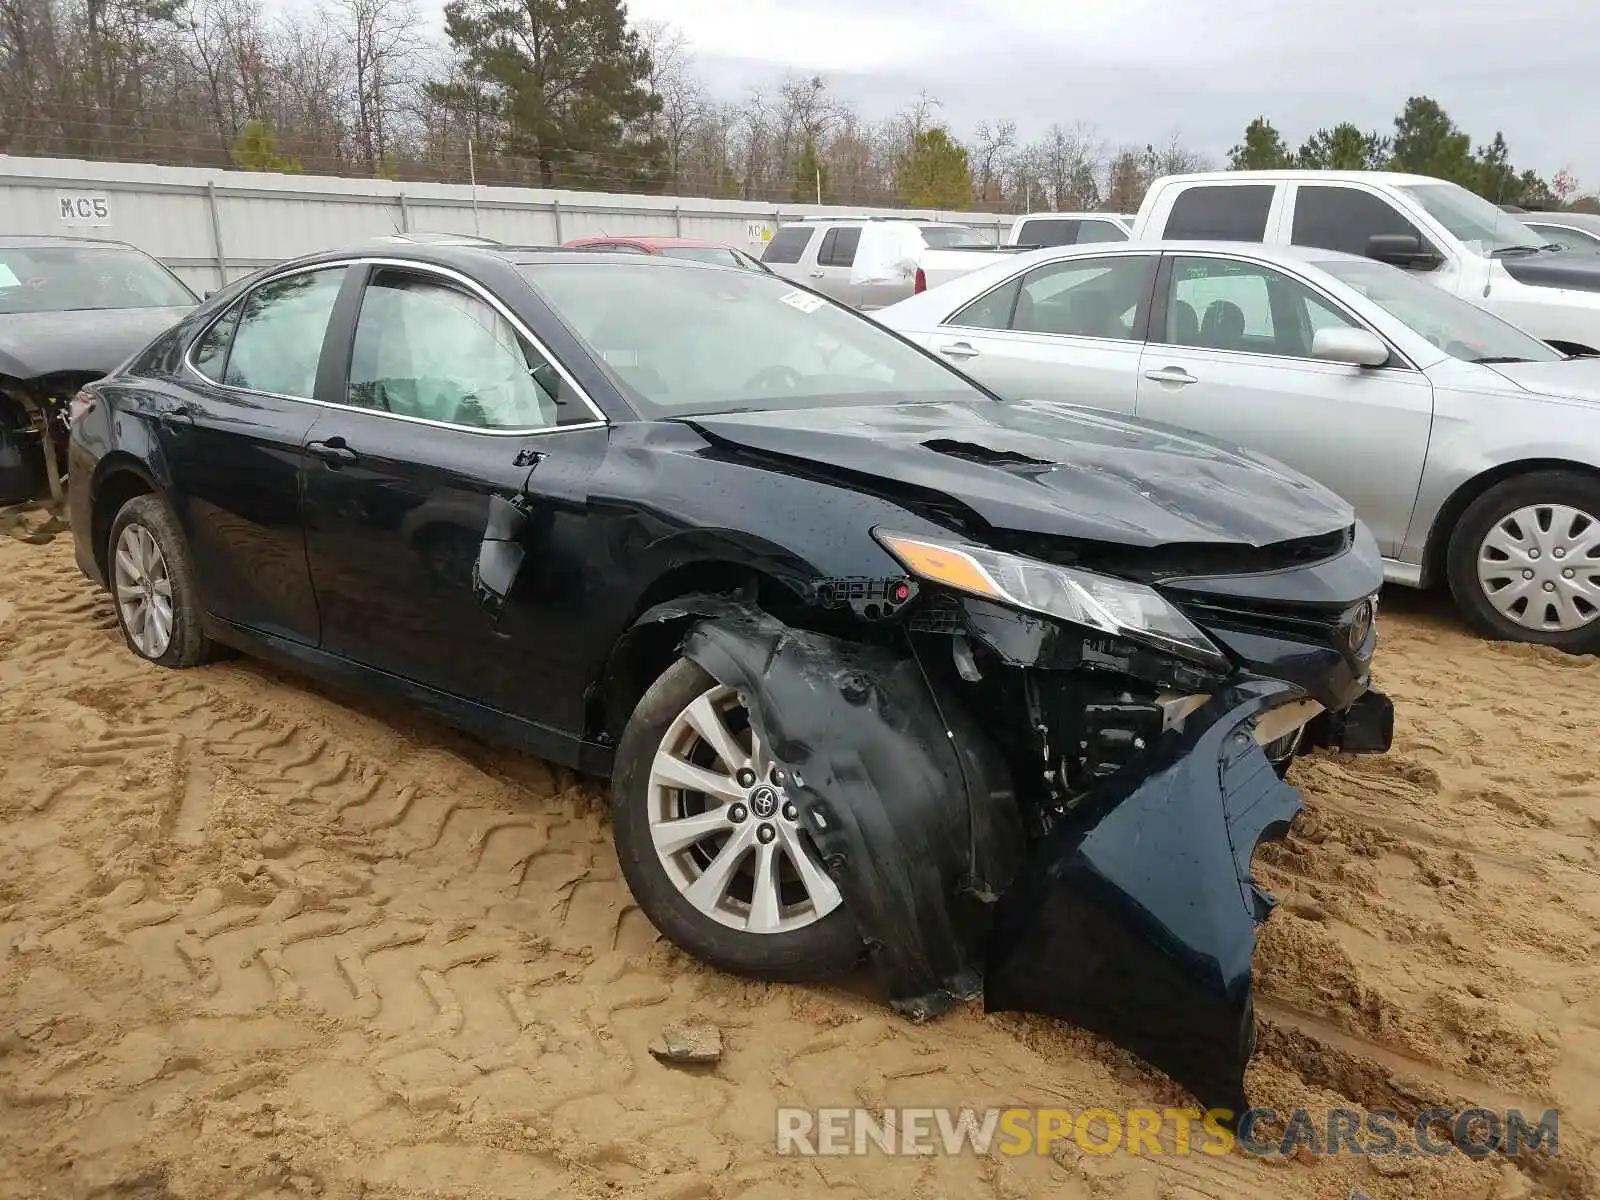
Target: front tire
152,586
1524,561
712,848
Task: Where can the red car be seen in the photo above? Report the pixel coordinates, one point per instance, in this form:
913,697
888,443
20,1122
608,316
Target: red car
674,247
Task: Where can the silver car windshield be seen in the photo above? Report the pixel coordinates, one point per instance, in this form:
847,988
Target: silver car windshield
1484,227
1460,329
681,338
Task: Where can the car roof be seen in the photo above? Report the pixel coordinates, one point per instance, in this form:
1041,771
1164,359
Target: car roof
1589,221
1071,216
465,258
1258,250
650,240
1302,175
811,222
19,241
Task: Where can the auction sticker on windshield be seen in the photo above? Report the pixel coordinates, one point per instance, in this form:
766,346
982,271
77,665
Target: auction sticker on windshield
804,301
8,277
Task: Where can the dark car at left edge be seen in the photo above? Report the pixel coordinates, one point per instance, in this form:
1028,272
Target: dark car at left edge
71,309
1000,695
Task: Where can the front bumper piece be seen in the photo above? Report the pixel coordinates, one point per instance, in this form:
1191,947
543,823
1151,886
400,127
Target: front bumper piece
1136,916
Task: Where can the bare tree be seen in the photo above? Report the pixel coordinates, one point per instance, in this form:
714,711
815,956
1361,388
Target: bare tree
993,145
381,48
672,79
1069,162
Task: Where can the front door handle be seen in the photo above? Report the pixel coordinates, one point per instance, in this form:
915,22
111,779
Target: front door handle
333,452
177,417
818,275
959,350
1171,375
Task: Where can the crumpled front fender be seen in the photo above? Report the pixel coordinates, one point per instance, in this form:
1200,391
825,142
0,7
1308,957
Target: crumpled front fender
1136,916
908,804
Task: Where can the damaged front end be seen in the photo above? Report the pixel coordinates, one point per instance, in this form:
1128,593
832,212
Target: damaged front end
1058,815
1135,917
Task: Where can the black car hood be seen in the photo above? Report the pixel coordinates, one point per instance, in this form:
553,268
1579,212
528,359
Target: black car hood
1052,469
1566,269
97,340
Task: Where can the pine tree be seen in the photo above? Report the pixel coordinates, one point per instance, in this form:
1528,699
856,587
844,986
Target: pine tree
567,80
932,172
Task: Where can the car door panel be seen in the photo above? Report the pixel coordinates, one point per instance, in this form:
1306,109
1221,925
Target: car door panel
234,448
400,485
1363,432
1088,371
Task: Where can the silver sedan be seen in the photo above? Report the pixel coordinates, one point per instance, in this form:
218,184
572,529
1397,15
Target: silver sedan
1470,448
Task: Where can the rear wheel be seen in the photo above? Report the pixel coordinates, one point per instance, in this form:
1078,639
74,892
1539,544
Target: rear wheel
711,845
1524,560
152,586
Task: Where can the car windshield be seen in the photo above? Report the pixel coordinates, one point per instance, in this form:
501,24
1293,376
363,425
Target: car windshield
1460,329
719,255
61,278
954,237
1482,226
682,339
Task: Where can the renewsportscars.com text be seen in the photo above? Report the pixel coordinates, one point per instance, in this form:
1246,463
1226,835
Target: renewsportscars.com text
1476,1132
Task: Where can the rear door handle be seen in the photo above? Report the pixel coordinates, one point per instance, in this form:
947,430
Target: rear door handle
1171,375
959,350
333,452
177,417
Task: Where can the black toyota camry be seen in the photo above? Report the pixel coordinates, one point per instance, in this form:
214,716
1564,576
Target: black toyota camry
998,694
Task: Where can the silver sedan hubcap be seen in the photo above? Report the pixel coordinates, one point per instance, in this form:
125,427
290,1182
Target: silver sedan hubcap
144,591
1540,567
725,829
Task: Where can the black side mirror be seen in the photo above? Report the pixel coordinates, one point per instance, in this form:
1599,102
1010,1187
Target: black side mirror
1404,250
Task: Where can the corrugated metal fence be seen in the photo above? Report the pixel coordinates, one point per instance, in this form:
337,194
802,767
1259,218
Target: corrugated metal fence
213,226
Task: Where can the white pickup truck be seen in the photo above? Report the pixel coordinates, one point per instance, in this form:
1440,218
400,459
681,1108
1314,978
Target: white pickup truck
1449,236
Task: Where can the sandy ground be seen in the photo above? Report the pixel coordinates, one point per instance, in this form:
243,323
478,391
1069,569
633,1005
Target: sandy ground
257,939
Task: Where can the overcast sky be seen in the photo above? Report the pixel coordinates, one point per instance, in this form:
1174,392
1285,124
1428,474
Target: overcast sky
1139,69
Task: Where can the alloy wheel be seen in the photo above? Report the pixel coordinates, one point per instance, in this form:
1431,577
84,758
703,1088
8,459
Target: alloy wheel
724,828
1539,566
143,590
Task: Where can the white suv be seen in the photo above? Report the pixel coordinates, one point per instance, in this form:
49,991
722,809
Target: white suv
822,253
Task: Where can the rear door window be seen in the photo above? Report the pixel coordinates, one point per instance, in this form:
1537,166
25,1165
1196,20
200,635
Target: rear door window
788,244
1343,218
279,340
839,247
1221,213
1084,297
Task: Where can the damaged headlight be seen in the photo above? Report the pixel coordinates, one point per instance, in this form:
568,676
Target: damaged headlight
1114,606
